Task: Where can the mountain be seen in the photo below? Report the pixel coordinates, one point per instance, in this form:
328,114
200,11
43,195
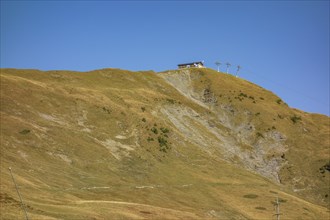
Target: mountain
180,144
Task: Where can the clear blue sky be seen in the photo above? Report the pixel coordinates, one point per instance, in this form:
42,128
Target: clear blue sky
282,46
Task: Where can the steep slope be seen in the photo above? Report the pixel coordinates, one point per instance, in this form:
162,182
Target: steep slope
265,135
191,144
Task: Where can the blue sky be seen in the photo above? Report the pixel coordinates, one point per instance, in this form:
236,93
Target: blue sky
282,46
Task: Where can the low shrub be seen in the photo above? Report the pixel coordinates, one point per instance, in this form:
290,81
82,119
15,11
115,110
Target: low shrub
164,130
280,200
25,131
150,139
154,130
162,144
172,101
260,208
106,110
295,119
259,135
250,196
243,94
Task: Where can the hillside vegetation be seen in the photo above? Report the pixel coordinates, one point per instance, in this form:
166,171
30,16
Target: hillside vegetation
184,144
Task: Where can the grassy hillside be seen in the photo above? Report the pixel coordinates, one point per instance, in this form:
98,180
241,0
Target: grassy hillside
189,144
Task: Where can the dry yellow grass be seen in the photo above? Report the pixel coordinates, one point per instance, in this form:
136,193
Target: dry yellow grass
142,145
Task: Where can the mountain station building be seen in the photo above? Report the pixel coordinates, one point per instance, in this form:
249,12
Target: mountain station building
199,64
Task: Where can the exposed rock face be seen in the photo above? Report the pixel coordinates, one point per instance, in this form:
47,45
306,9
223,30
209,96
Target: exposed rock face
249,135
237,142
